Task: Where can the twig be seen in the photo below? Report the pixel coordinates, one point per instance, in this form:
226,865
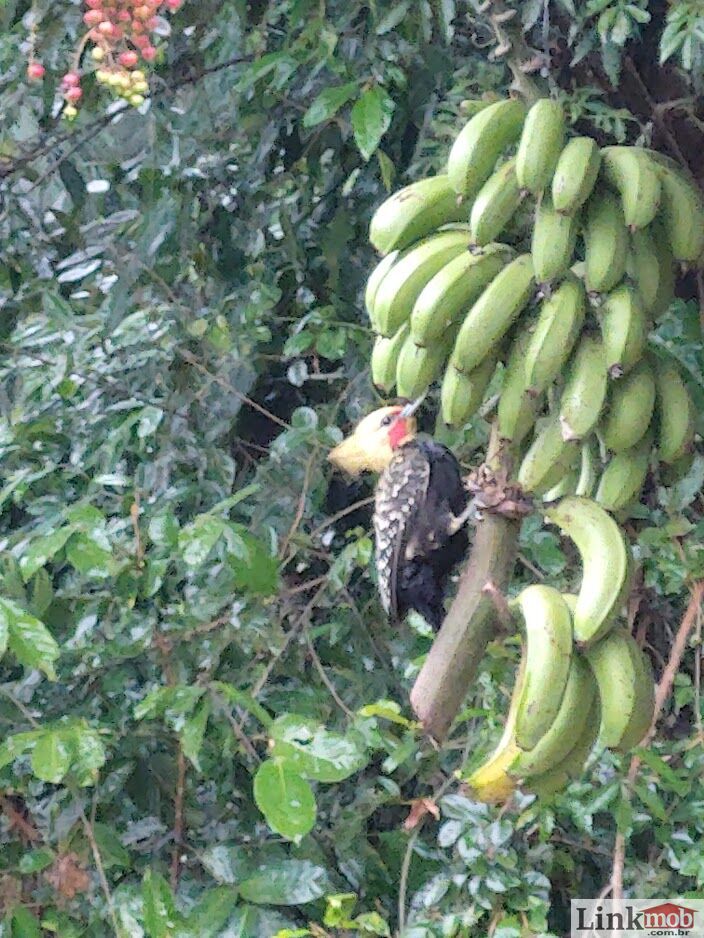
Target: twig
98,860
324,678
301,503
237,730
178,817
134,517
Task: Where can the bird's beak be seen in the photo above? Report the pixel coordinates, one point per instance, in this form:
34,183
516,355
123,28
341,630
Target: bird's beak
348,456
413,406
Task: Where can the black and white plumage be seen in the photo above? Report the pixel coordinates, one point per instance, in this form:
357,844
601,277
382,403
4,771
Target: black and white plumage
419,499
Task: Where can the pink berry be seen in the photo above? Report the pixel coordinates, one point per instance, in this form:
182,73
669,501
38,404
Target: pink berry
94,4
105,27
35,71
128,59
70,79
124,16
93,17
173,5
152,22
149,53
73,95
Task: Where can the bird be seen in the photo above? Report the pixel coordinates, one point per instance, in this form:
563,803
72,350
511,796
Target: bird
421,509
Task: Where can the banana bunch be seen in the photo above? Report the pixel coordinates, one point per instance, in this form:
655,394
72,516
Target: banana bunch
567,698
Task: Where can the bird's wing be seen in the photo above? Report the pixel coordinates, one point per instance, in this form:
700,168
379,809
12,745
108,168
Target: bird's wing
400,495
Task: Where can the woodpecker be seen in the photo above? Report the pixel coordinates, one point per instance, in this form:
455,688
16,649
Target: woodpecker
421,509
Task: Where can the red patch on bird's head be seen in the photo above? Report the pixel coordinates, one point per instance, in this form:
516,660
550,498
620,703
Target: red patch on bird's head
399,431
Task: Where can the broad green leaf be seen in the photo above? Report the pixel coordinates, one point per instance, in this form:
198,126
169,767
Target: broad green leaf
198,539
313,751
226,863
668,777
111,850
242,699
29,639
285,799
164,528
211,913
328,103
51,756
25,924
89,556
41,594
387,710
149,420
179,699
160,916
193,732
42,549
33,861
286,882
88,754
371,117
257,571
16,745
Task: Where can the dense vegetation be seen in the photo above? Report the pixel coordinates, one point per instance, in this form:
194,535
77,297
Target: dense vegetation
183,580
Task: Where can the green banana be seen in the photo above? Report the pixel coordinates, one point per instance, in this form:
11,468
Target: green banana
605,564
624,329
559,323
634,175
554,238
375,278
385,356
623,479
584,394
417,367
605,242
568,725
493,313
548,653
630,408
666,282
676,413
541,143
453,289
571,767
481,142
400,288
575,174
587,468
414,212
495,204
548,459
682,212
566,486
643,267
461,394
517,405
625,690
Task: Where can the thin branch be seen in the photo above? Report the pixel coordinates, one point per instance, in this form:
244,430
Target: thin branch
324,678
178,817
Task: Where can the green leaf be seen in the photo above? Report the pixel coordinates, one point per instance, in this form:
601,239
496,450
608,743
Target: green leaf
160,916
89,556
255,569
177,701
212,911
88,754
51,756
16,745
164,528
42,549
29,639
228,864
197,539
328,103
371,117
313,751
285,799
111,850
193,733
33,861
387,169
25,924
667,775
244,700
287,882
387,710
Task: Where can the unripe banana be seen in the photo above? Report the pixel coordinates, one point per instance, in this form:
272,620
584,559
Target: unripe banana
385,356
623,479
554,238
448,295
461,395
548,459
589,458
566,486
572,766
643,267
541,143
575,174
605,564
633,174
495,204
675,411
666,282
418,367
492,314
375,278
548,653
517,406
583,398
605,242
625,690
630,409
568,725
414,212
556,331
491,783
624,329
402,284
481,142
682,212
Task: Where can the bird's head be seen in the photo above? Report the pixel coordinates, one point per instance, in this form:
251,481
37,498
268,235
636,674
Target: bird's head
375,438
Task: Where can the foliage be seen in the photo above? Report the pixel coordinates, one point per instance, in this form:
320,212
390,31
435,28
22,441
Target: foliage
206,721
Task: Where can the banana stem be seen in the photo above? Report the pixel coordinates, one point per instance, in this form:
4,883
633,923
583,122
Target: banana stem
505,22
471,622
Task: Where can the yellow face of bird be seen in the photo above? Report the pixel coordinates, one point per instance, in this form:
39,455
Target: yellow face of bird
372,444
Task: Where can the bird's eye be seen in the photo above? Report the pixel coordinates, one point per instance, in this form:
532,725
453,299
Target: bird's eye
386,421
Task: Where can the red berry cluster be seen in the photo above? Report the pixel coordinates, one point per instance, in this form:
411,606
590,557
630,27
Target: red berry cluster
121,33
